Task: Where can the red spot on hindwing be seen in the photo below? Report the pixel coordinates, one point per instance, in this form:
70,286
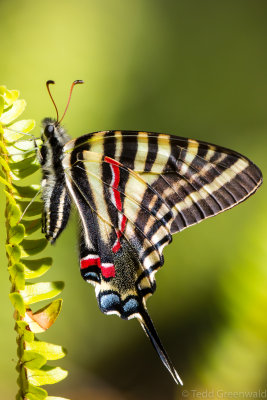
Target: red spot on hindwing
107,269
90,261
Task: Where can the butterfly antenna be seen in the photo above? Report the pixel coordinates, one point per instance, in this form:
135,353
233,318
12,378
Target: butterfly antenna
151,332
78,81
51,97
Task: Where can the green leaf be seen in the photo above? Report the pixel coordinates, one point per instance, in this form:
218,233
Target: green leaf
48,350
23,330
17,275
32,247
42,319
9,96
21,174
46,375
14,112
36,268
10,198
33,360
14,252
35,292
24,125
16,234
24,168
23,146
36,393
17,130
14,214
18,150
23,164
27,191
17,302
12,210
18,174
32,225
34,209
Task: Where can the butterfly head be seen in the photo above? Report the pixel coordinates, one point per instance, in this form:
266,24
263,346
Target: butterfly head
53,132
49,126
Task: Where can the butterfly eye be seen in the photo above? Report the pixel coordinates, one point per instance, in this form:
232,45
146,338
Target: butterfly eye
49,130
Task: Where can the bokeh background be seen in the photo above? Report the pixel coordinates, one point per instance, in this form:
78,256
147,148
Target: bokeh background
191,68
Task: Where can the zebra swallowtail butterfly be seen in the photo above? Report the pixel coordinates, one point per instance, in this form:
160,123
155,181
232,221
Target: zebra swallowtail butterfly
133,190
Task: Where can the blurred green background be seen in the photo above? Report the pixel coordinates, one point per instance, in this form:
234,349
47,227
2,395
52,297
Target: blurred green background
191,68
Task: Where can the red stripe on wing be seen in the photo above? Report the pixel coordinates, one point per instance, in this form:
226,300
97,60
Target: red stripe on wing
117,200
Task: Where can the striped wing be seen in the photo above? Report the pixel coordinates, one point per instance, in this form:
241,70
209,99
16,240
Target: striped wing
133,190
166,183
149,185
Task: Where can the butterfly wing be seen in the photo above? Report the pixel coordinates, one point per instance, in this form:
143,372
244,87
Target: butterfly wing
109,244
168,182
133,190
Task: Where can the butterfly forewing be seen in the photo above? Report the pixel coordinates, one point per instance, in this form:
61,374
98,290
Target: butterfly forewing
159,184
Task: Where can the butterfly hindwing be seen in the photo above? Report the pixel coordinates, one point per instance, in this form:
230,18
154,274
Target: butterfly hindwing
114,236
112,253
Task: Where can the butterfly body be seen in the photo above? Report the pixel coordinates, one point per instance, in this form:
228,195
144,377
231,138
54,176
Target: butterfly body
133,190
54,192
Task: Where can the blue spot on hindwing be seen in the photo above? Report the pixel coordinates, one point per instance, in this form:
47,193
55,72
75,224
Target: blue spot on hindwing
109,302
91,275
131,306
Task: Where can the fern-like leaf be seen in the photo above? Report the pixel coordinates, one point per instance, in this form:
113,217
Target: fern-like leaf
18,161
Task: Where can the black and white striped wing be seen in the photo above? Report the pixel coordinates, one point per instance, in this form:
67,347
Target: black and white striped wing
133,190
165,183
